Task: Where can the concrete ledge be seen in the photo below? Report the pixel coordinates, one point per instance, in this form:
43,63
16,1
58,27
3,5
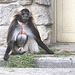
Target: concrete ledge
56,62
51,62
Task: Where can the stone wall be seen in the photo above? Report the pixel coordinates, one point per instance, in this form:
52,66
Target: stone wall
42,16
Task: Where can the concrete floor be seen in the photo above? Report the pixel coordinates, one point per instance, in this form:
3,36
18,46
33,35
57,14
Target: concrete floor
37,71
64,46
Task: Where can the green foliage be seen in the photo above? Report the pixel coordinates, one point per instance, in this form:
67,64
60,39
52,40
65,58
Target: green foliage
21,61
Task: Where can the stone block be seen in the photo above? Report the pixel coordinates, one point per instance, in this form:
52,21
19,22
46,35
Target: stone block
3,35
43,2
45,34
41,15
25,2
7,1
6,12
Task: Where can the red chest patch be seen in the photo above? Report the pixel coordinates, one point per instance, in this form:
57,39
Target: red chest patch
22,32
